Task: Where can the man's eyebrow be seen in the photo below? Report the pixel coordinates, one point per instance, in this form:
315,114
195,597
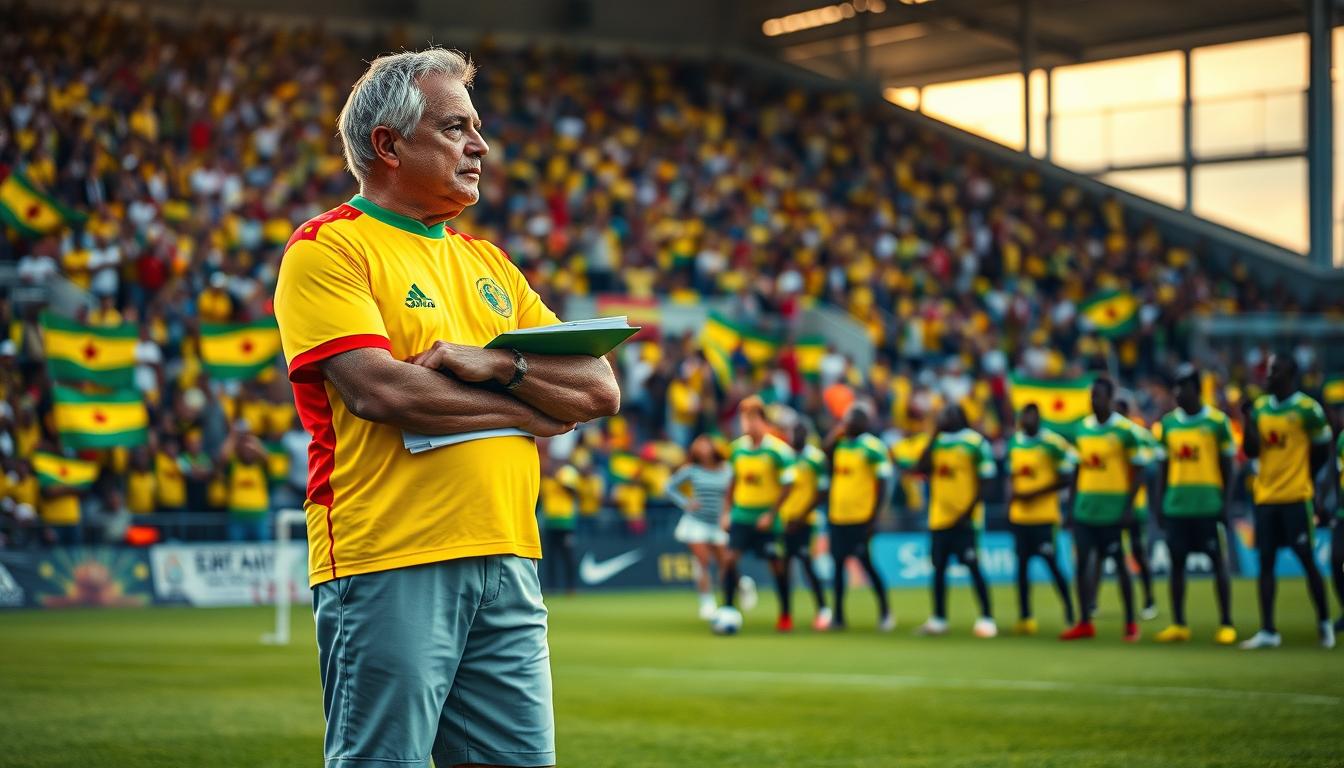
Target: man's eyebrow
448,120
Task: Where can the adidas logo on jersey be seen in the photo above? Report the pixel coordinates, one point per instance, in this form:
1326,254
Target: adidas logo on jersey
416,298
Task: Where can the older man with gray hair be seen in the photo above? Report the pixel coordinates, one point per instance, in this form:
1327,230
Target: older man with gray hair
430,626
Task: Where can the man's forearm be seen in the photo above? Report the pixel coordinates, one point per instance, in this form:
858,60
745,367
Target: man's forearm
568,388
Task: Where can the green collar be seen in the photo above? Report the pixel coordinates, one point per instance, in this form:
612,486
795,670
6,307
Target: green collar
404,223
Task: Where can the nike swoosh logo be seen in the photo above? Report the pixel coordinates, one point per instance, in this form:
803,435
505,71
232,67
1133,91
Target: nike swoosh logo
592,572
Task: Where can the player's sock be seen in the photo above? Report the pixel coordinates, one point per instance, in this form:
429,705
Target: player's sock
940,589
813,583
1023,587
707,605
838,582
981,588
1061,586
1177,583
1315,584
1126,589
782,587
730,585
879,587
1266,585
1222,584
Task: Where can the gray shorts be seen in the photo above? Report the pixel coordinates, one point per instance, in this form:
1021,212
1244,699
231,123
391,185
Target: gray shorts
447,660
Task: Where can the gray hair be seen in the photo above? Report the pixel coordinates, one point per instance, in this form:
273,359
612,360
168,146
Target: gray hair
388,94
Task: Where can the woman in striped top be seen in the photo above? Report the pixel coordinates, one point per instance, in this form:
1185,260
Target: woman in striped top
708,476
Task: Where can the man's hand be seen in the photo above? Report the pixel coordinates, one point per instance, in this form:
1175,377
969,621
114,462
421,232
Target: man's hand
724,520
466,363
764,522
542,425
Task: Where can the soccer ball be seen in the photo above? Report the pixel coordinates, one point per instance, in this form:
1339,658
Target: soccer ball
727,621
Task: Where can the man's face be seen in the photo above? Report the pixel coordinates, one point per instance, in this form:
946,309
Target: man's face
1101,398
1031,420
1280,373
1188,395
753,424
441,161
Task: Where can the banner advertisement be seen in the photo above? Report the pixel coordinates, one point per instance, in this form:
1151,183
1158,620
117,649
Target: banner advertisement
70,577
225,574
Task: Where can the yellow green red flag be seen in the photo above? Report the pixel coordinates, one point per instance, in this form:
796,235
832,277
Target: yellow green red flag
809,352
30,211
57,471
76,352
1112,313
1061,402
100,421
239,351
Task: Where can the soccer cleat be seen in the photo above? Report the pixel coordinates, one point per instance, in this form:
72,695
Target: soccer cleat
985,628
1262,639
1327,635
1083,630
823,620
707,609
886,623
1132,633
1026,627
785,624
933,627
746,593
1225,635
1149,612
1173,634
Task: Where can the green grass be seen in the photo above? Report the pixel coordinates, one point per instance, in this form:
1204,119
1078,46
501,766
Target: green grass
640,682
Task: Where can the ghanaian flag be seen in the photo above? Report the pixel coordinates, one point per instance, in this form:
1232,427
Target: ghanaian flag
100,421
58,471
809,353
240,351
1112,313
1332,391
102,356
29,211
1062,403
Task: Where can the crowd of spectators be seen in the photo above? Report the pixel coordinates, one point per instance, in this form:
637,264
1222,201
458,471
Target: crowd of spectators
195,150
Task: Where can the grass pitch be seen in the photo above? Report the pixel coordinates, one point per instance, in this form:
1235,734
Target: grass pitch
640,682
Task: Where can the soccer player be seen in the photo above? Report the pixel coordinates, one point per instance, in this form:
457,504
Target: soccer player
799,516
1287,436
1040,465
709,476
559,502
957,462
762,467
1137,530
1103,505
431,629
859,476
1195,449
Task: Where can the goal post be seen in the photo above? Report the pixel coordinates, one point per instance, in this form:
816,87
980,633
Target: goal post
284,520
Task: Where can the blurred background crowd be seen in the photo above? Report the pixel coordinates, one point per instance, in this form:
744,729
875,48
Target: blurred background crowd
192,155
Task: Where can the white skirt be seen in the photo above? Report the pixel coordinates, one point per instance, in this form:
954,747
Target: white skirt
691,530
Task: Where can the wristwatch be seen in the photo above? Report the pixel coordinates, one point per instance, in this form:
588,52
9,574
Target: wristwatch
519,371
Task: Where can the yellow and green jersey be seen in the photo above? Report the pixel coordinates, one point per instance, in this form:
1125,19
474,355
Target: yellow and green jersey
1288,428
1035,462
809,478
858,466
560,498
961,460
760,473
1108,453
1193,446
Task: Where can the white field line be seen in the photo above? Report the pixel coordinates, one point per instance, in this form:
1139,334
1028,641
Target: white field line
957,683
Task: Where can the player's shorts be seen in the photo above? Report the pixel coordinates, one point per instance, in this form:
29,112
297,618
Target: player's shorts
1101,539
1282,525
798,542
1032,539
847,540
1194,534
447,660
744,537
692,530
959,541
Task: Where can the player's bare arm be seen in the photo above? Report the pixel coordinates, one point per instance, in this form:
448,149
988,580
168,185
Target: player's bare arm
377,387
568,388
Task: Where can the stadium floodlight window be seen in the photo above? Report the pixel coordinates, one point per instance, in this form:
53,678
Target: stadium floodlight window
819,17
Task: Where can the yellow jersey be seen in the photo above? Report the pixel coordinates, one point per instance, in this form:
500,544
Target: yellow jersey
559,498
362,276
760,473
1288,428
961,461
169,482
1035,462
858,466
140,492
809,478
249,490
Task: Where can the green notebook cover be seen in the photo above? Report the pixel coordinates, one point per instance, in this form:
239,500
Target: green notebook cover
591,342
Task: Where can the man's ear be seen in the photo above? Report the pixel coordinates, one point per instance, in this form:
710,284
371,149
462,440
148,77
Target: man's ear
384,142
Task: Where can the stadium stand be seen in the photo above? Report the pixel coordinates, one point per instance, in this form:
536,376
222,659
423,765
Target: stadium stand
186,160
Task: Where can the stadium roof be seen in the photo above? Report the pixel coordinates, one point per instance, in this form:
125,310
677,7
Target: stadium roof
917,42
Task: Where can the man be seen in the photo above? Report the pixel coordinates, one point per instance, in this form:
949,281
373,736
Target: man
1137,530
1040,465
1196,451
762,467
1287,437
430,626
798,514
957,462
1103,505
860,473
